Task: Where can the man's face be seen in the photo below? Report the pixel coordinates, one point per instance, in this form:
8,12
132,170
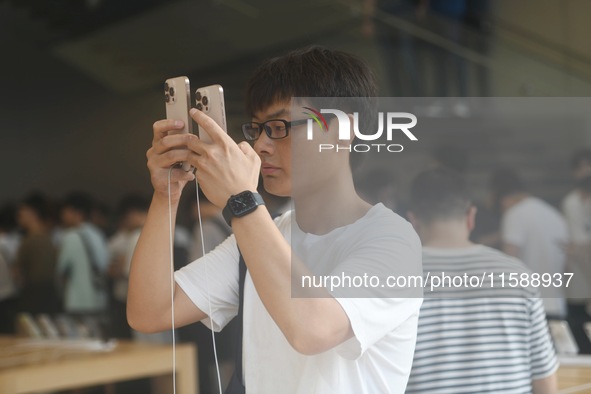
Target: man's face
71,217
275,154
26,217
311,170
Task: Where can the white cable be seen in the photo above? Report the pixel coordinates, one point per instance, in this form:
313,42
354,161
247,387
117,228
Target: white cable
171,283
215,353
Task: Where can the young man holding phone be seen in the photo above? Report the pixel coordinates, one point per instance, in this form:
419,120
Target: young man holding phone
329,343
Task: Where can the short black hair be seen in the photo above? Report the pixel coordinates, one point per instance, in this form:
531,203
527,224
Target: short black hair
79,201
316,71
40,204
580,157
505,182
309,72
437,194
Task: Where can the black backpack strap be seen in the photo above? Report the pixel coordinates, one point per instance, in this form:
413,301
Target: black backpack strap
236,386
89,253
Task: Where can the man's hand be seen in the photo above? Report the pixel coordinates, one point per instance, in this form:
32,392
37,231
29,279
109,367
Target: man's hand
168,148
224,168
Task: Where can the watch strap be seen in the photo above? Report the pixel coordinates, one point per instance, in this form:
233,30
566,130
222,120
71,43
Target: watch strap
229,214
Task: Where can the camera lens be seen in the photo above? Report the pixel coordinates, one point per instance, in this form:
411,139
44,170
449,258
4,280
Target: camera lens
166,86
205,100
198,96
167,98
172,91
199,107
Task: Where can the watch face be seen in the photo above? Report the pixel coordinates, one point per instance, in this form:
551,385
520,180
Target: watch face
242,203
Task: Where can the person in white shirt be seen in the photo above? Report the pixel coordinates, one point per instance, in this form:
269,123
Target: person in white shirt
80,264
329,342
533,231
132,211
576,208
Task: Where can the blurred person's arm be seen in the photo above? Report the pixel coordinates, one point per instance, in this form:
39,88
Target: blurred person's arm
547,385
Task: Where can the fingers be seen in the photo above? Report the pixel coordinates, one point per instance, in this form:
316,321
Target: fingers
246,148
178,141
180,175
164,160
214,131
162,127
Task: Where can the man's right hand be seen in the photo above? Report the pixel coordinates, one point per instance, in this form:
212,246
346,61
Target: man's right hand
164,154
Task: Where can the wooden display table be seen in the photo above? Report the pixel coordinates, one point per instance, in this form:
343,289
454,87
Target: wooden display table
26,368
574,379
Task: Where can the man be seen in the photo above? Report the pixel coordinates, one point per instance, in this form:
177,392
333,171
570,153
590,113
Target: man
35,262
291,344
577,205
576,208
533,231
81,266
485,339
132,211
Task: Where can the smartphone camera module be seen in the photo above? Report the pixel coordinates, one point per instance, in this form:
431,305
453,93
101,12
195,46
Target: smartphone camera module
201,100
169,93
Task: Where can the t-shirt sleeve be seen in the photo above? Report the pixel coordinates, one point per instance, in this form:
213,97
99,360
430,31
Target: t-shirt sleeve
212,281
543,356
373,318
380,305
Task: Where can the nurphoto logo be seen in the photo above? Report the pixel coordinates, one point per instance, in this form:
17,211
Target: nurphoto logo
392,124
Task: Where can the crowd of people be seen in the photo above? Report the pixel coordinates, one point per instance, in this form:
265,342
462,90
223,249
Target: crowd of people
73,256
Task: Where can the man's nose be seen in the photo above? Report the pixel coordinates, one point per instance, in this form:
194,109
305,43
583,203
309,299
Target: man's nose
264,145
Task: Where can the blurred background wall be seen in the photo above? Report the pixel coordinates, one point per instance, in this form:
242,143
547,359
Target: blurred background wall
81,80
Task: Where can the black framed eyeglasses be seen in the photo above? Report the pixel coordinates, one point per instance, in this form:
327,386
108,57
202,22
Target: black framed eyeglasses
274,128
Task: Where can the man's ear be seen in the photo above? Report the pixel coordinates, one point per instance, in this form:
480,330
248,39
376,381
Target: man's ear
471,218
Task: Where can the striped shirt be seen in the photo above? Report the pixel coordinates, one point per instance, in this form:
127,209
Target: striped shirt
479,338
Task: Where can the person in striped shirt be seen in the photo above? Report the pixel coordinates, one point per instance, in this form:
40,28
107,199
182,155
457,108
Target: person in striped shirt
476,337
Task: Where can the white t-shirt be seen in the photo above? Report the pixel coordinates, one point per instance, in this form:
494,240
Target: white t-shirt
379,356
577,212
540,232
80,294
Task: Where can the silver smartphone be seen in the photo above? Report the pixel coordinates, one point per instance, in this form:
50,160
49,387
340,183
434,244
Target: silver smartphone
177,96
210,100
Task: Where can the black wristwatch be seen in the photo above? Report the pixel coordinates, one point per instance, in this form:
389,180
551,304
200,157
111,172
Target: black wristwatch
241,204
